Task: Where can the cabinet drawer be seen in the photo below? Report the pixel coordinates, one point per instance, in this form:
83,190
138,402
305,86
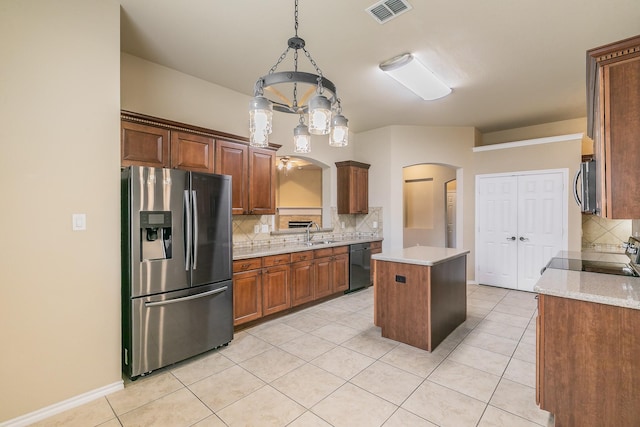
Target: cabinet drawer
301,256
324,252
376,245
270,261
247,264
340,250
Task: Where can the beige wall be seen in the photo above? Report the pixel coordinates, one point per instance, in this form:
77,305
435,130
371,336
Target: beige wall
299,188
60,289
390,149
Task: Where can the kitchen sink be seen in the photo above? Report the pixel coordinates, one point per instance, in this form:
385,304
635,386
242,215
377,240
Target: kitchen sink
319,242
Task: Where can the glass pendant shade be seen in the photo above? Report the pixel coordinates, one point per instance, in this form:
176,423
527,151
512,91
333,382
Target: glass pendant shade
339,136
301,139
260,121
319,115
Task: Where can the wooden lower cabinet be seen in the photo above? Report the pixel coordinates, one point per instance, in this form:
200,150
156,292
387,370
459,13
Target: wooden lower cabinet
302,278
588,362
340,272
275,289
247,296
331,270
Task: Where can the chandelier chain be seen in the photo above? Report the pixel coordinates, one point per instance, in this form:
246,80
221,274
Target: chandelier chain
295,16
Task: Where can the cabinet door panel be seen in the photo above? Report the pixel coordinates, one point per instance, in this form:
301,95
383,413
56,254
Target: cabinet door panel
144,145
275,289
247,296
622,126
262,173
192,152
323,277
302,282
232,159
340,273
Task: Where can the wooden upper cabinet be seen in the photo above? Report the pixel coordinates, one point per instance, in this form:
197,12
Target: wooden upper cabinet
233,159
613,95
353,187
262,185
192,152
144,145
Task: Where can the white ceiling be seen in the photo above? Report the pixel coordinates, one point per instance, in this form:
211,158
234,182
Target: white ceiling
511,63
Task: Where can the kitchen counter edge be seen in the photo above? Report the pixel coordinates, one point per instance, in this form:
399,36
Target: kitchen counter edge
295,247
609,289
421,255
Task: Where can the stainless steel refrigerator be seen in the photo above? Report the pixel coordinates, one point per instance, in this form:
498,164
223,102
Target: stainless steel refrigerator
177,293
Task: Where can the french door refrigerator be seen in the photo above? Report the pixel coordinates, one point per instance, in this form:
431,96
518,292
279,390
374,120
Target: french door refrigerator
177,293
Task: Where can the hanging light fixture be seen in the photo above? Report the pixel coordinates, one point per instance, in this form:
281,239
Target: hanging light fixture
301,138
288,92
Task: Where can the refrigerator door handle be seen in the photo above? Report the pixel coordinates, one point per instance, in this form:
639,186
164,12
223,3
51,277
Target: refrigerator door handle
187,298
187,229
194,207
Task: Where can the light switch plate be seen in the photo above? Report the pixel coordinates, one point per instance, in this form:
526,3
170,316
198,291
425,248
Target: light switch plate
264,228
256,229
79,222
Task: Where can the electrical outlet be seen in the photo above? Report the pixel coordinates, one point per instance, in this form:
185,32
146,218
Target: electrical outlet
375,224
342,224
265,228
256,229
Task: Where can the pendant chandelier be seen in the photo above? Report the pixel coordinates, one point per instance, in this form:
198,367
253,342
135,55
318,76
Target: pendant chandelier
311,96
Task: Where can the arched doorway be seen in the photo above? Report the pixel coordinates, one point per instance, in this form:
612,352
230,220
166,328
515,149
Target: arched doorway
429,214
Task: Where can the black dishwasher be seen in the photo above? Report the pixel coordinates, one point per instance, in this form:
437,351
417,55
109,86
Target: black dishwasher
359,266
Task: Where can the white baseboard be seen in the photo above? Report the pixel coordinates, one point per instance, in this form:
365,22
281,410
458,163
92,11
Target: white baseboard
65,405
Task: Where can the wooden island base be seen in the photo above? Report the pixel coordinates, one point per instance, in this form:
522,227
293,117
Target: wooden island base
419,304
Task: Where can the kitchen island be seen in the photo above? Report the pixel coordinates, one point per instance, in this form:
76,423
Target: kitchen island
587,345
420,294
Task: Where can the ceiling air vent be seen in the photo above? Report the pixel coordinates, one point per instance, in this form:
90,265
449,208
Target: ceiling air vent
386,10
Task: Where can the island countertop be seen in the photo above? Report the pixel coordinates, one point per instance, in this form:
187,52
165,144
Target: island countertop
421,255
610,289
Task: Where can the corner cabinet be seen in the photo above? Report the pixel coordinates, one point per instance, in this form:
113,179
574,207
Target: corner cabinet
353,187
613,104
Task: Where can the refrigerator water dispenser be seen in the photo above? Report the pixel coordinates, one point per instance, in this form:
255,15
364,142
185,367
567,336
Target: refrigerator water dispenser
155,235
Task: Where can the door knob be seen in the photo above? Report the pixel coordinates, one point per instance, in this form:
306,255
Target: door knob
511,238
524,239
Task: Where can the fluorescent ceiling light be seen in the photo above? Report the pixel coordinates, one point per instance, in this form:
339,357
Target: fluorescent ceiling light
416,77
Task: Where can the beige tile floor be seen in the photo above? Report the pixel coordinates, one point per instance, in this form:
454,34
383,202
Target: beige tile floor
329,366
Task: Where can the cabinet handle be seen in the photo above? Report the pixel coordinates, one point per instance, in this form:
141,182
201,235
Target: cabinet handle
511,238
245,266
523,239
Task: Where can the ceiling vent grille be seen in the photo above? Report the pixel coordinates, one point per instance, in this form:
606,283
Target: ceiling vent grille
385,10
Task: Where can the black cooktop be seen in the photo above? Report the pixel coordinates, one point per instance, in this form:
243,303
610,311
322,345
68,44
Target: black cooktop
617,268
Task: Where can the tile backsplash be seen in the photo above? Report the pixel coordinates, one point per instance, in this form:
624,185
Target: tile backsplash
604,235
361,225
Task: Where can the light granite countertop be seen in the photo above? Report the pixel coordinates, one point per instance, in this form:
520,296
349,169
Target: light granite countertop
610,289
421,255
276,249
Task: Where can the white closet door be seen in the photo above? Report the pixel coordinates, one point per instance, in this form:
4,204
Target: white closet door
496,244
540,224
520,225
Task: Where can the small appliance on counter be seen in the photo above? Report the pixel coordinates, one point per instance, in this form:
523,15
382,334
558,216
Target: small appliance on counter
177,293
619,267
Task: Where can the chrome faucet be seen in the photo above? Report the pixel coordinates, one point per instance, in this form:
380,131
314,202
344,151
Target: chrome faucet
308,227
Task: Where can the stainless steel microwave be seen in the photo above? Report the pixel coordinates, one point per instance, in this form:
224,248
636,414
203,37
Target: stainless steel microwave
584,187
